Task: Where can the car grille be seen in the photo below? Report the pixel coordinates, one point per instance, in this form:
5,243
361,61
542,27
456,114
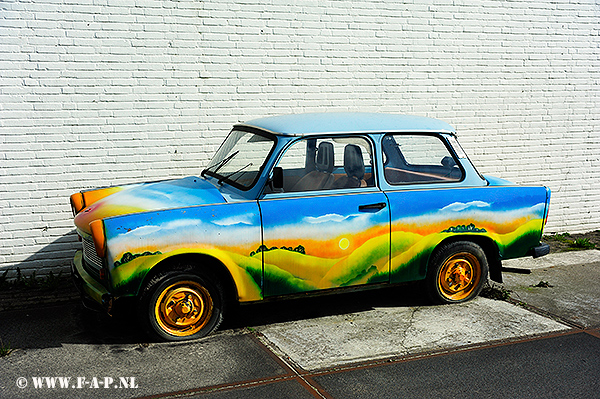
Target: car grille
92,262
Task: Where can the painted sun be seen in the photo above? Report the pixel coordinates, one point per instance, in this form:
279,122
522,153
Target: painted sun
344,243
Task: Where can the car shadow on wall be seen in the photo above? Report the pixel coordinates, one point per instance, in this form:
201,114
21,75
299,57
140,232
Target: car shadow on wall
54,257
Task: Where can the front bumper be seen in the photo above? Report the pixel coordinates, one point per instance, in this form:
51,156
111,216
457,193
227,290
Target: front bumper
93,294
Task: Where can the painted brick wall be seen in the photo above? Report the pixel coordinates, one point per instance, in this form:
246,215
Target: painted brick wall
103,92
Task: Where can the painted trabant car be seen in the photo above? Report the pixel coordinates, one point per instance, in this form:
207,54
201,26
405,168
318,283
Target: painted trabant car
301,204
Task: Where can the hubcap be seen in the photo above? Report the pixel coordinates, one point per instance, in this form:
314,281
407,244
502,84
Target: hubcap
459,276
183,308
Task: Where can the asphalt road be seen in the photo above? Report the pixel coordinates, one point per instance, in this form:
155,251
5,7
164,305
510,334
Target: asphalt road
380,344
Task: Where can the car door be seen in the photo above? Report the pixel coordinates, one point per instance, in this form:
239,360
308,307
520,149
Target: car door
423,175
329,227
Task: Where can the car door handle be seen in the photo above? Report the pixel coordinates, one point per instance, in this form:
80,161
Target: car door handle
372,207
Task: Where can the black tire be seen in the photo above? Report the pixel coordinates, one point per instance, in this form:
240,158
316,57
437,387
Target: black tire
179,305
457,272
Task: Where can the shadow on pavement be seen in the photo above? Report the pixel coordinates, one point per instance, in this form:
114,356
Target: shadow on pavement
311,307
72,323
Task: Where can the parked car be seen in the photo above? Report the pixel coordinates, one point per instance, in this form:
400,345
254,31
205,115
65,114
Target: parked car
299,204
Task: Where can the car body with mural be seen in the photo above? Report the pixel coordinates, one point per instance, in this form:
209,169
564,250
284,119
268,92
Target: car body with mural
303,204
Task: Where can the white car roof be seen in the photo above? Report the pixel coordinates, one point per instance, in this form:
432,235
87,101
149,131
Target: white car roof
347,122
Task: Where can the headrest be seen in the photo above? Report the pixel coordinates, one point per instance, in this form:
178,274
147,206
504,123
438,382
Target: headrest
325,157
353,161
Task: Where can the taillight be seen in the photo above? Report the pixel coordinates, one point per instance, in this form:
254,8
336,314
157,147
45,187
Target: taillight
547,210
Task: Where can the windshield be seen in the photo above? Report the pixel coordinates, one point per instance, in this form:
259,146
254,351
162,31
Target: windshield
240,158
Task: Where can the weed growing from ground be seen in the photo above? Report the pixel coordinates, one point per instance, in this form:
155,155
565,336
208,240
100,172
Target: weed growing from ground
49,282
542,284
567,242
582,243
5,350
495,291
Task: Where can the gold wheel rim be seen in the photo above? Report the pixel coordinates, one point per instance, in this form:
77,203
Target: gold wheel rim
183,308
459,276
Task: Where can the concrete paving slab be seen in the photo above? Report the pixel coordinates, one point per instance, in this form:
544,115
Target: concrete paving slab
224,358
396,331
567,286
559,367
319,334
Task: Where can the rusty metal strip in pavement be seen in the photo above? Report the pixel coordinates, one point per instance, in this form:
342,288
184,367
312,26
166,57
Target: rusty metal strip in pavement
545,313
302,376
425,355
220,387
594,333
296,373
293,373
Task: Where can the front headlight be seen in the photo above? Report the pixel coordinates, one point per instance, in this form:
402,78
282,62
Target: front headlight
97,227
77,203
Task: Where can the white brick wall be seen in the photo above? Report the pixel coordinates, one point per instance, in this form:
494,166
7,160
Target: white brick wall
103,92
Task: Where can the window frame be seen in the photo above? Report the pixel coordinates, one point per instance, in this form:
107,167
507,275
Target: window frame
373,156
439,180
225,179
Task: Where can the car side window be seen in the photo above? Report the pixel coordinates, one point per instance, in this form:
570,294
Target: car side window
327,163
412,158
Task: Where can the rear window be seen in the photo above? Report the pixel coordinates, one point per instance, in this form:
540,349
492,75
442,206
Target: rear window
411,159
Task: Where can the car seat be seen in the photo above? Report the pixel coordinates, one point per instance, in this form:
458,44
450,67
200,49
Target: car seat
321,177
354,166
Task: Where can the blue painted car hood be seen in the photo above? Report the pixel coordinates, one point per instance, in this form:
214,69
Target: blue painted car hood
144,197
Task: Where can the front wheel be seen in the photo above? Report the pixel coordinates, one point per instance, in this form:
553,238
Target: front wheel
178,305
457,272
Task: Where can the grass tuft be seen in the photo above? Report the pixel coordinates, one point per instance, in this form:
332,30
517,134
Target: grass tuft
5,350
21,282
582,243
495,291
567,242
542,284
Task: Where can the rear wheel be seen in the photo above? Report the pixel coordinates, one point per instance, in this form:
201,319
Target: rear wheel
179,305
457,272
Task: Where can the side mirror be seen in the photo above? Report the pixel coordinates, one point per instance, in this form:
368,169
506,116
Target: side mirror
277,180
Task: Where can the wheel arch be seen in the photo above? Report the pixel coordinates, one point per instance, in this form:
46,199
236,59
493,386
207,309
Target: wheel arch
489,246
199,262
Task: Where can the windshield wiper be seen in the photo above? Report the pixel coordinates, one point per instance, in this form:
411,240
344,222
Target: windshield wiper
220,164
233,173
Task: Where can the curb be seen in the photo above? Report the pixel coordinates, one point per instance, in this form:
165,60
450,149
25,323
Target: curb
568,258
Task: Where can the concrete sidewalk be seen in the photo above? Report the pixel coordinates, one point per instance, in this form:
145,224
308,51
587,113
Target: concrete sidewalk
566,285
341,346
399,331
